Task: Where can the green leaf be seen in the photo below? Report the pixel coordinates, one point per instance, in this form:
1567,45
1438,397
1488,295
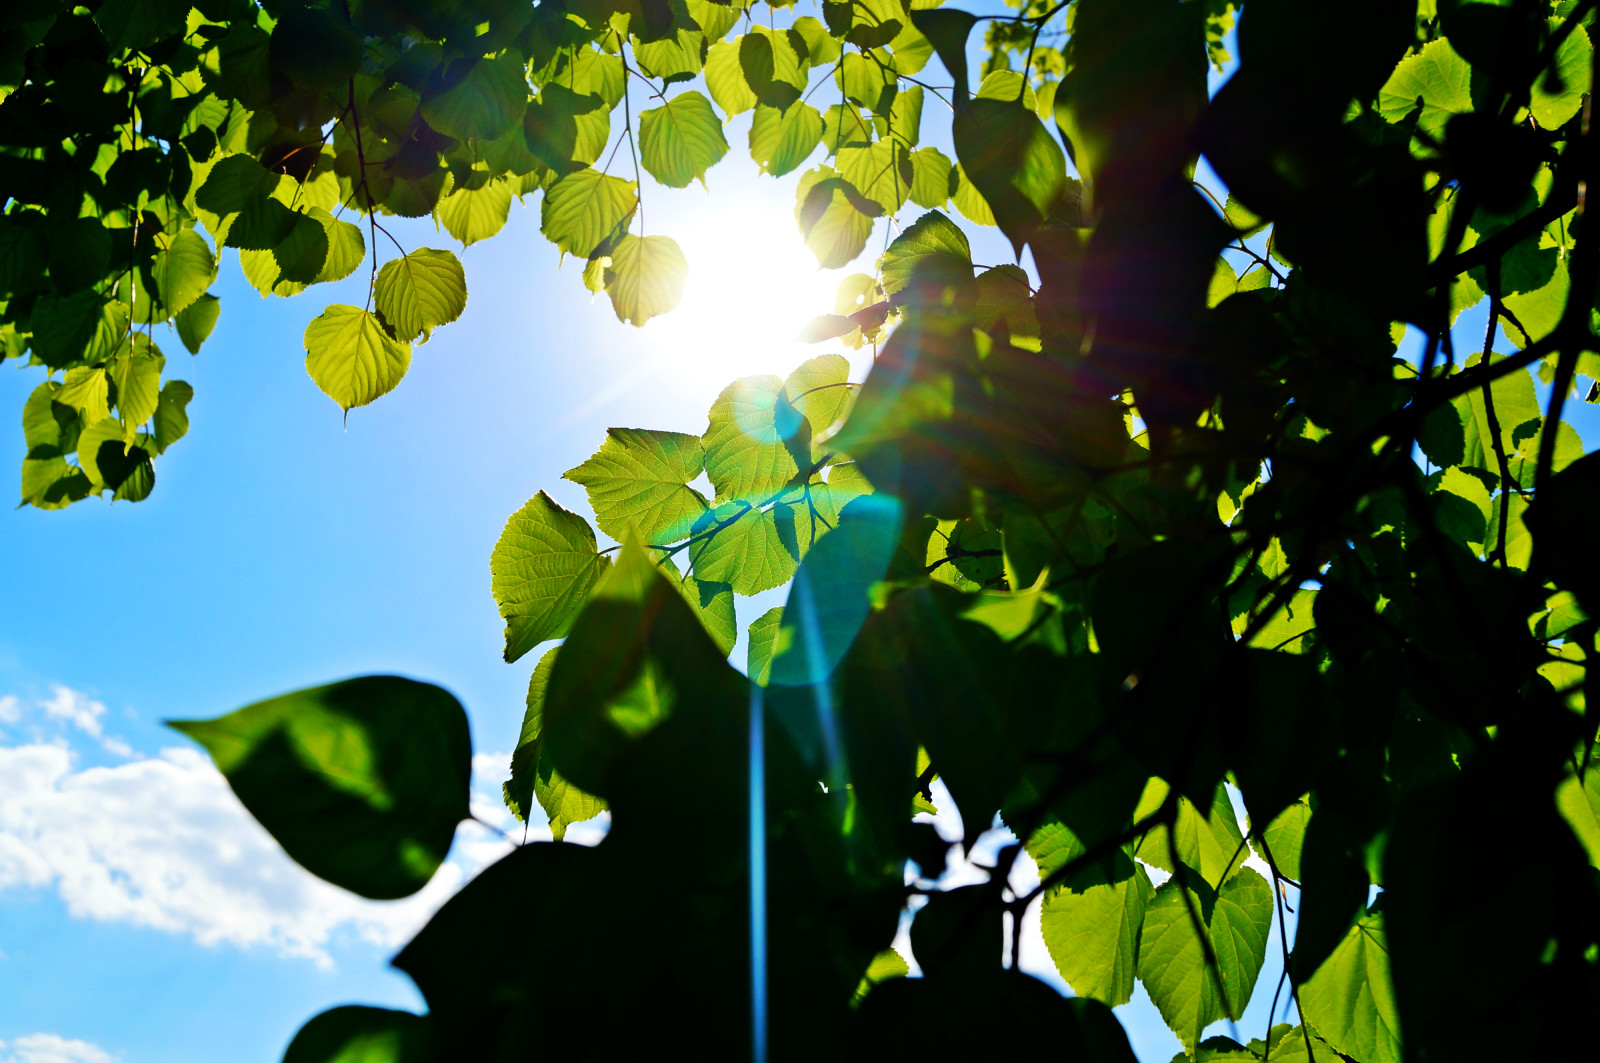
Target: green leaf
594,72
358,1034
585,208
1436,76
138,24
171,421
711,602
866,82
1285,837
86,390
636,664
543,568
772,68
783,138
675,57
563,803
820,46
820,391
346,248
1172,960
1514,405
932,244
473,214
107,458
947,29
1557,99
1441,436
1239,929
905,118
483,101
1013,161
844,126
968,200
637,483
1350,1002
881,172
1092,929
832,592
352,358
715,20
1007,86
680,140
183,271
302,251
1579,804
83,326
262,225
751,440
930,178
235,183
564,128
136,371
420,291
884,966
197,320
752,551
834,226
646,277
764,644
725,79
362,782
865,23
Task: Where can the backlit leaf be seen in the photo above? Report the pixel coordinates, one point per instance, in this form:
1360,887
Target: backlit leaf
584,208
473,214
680,140
646,277
637,483
1350,1000
419,291
184,270
543,567
783,138
748,444
351,357
1092,930
485,99
563,803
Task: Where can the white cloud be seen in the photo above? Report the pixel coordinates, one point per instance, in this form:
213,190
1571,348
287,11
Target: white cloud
51,1048
68,708
77,709
163,843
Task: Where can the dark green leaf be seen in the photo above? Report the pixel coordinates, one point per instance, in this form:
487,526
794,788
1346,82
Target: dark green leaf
362,781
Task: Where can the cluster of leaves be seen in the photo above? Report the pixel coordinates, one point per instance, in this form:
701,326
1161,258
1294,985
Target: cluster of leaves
1104,557
137,141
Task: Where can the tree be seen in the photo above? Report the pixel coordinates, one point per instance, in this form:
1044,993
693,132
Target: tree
1091,553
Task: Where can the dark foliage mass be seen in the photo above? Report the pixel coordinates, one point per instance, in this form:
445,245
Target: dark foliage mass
1179,526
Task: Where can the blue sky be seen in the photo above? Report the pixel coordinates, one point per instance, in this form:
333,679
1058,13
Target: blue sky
144,917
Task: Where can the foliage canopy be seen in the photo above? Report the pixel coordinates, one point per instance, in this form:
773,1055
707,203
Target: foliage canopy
1178,525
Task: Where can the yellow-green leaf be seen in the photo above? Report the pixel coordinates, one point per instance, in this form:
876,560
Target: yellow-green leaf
419,291
646,277
351,357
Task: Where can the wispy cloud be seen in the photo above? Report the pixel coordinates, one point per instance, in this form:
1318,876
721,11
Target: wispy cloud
66,707
51,1048
162,842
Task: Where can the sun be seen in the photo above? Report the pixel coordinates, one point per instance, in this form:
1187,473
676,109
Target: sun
752,284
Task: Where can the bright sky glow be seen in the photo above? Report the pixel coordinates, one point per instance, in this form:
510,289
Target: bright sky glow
752,286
